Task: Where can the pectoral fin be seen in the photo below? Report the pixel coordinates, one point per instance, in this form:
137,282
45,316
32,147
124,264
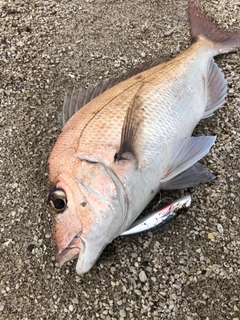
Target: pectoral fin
131,127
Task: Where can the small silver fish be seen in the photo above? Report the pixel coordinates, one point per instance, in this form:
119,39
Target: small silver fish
131,138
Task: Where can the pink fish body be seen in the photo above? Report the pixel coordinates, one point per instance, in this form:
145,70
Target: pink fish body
131,140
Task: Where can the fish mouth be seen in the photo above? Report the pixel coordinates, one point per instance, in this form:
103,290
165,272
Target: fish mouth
71,251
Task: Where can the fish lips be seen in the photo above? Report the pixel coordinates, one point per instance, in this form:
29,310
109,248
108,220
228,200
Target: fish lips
71,251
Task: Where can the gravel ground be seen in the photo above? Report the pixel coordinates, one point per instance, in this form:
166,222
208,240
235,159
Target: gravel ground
188,270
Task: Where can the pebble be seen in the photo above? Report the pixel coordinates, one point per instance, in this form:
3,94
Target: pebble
210,236
142,276
220,228
122,313
20,44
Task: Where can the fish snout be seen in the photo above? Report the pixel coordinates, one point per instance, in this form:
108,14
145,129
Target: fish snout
68,243
65,253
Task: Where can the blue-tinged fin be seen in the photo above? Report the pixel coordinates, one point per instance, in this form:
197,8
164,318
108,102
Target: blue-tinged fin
188,178
78,98
186,152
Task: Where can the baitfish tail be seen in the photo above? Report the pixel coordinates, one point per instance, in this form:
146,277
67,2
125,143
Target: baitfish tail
223,41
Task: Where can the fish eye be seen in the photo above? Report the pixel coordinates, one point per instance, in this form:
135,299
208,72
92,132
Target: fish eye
58,200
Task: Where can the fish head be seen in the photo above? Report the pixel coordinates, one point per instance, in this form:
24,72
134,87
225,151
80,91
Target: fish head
90,209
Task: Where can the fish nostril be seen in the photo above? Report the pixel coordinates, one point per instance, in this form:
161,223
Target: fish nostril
83,204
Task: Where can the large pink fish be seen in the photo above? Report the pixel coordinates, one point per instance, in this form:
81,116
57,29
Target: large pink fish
132,138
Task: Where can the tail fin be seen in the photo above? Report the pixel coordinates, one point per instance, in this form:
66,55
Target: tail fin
223,41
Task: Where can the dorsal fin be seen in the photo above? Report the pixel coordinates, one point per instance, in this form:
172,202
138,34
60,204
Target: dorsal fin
216,89
78,98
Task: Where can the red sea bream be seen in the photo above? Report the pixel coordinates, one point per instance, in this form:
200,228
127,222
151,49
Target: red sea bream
132,139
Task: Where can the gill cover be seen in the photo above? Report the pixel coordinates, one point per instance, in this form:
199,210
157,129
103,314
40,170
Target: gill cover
107,198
